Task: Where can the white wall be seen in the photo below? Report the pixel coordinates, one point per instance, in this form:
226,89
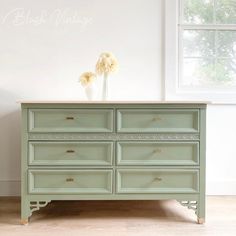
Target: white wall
221,149
45,45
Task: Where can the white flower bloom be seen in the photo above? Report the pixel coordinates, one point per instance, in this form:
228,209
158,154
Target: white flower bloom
107,63
87,78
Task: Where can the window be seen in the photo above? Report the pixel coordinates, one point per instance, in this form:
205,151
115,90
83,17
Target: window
205,53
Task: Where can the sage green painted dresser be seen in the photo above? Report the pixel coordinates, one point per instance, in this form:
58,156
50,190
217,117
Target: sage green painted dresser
113,151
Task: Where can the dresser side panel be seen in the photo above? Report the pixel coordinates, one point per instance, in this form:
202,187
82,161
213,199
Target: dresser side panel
201,210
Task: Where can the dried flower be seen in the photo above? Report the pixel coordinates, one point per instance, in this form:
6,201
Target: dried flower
87,78
106,64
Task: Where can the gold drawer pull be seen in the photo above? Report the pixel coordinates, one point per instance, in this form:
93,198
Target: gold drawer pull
158,179
156,118
69,180
70,118
70,151
158,150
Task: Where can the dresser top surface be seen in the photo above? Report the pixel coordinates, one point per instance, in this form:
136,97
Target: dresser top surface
108,102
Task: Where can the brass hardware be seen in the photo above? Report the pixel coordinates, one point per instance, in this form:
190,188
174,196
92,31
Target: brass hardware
70,151
158,150
70,118
69,180
158,179
156,118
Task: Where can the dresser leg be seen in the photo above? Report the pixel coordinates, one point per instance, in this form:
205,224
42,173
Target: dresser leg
25,211
201,211
24,221
200,220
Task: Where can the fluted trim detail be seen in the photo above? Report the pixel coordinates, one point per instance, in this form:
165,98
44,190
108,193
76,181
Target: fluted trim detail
111,136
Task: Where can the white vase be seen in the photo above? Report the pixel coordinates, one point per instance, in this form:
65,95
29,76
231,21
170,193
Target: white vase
90,92
105,87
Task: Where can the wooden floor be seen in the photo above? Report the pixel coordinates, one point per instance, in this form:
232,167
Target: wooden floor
119,218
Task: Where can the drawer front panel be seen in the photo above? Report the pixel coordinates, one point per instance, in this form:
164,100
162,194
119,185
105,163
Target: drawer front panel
157,153
157,120
70,181
70,120
157,181
70,153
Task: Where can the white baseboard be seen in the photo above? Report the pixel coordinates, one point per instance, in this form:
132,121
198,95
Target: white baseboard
12,187
9,187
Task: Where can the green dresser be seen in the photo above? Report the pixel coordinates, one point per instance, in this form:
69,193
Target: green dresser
113,151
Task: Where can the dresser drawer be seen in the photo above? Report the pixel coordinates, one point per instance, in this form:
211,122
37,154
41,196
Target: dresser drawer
157,153
157,120
157,181
70,181
70,120
70,153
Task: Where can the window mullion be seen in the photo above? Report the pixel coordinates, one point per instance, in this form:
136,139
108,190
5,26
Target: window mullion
214,11
208,27
215,36
216,51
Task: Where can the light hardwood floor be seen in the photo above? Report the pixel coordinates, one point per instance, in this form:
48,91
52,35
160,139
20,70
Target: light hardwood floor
119,218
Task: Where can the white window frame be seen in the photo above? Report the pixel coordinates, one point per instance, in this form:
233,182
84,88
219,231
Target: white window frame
173,60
